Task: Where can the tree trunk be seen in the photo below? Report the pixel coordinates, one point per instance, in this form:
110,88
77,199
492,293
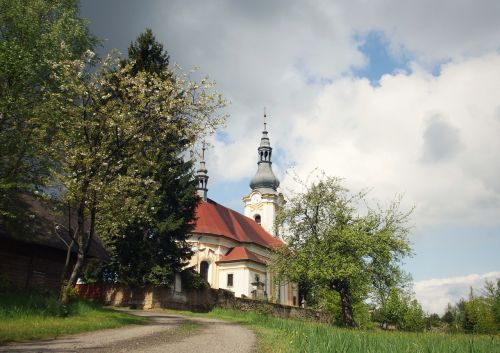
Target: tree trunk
64,272
80,236
346,303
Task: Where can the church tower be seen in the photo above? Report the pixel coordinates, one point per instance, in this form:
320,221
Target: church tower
264,200
202,177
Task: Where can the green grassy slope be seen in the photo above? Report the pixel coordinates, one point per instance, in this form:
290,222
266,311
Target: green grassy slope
30,315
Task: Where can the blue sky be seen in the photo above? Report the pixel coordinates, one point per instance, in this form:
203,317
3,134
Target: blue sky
379,58
396,98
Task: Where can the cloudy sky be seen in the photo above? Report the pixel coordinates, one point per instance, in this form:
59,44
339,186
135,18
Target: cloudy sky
397,97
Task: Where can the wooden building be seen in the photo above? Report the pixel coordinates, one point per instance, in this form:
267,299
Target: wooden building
33,245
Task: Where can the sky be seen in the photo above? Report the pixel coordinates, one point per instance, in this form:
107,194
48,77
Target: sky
395,97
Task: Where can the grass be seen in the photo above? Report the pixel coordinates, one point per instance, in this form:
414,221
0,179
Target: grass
189,327
30,315
281,335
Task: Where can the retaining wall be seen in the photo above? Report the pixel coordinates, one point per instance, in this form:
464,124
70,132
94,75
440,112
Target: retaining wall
194,300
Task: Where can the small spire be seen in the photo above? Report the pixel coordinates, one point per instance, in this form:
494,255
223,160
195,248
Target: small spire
202,176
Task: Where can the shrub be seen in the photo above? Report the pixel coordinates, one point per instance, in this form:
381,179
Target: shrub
193,280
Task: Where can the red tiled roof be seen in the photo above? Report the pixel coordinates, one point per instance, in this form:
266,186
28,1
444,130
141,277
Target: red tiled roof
240,253
215,219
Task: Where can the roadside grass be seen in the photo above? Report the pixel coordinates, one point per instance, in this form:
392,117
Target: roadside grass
28,315
285,335
189,327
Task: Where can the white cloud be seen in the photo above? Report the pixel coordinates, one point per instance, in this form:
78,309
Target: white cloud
435,294
434,139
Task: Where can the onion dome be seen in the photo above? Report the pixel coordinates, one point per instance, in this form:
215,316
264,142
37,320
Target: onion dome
264,179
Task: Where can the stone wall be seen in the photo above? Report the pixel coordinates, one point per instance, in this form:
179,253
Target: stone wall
148,297
194,300
277,310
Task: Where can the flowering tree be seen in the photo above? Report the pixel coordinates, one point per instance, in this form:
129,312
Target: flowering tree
111,125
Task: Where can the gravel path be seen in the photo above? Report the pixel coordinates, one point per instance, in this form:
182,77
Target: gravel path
158,336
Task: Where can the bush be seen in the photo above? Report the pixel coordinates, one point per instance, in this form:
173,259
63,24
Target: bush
193,280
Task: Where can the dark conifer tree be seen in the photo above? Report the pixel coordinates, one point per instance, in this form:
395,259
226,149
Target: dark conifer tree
148,54
152,252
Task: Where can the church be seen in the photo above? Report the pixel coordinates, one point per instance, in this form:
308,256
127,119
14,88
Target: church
231,250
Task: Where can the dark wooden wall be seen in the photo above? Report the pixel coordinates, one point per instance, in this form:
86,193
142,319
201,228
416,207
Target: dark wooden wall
30,265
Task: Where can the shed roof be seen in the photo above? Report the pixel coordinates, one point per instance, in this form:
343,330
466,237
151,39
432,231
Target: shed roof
35,223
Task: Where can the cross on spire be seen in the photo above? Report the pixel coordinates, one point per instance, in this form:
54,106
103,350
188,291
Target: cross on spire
265,119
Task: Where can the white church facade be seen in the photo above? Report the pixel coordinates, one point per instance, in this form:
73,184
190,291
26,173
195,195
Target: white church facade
232,251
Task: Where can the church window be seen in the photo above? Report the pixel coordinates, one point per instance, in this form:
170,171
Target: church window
230,278
257,278
204,270
257,218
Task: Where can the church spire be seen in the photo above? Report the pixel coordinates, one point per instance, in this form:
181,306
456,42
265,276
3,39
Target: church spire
202,176
264,179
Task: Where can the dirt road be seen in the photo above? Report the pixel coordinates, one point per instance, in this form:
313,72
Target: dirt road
162,334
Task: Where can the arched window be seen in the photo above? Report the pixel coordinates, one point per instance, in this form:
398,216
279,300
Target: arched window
204,270
257,218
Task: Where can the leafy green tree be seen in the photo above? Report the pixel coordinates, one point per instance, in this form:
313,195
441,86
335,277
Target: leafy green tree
32,34
456,317
449,315
462,318
414,317
433,320
394,310
329,243
401,311
478,314
481,310
481,316
492,294
112,125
